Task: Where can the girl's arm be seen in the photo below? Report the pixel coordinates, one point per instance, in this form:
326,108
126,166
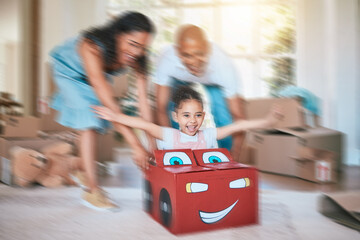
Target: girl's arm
134,122
243,125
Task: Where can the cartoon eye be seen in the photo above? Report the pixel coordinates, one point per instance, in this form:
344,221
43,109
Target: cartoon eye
214,157
176,158
196,187
240,183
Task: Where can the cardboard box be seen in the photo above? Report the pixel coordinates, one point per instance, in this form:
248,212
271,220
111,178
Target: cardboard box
47,122
292,110
315,165
188,191
247,154
275,149
105,146
7,143
19,126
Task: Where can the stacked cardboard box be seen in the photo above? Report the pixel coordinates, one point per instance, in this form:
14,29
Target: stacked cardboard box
35,133
13,125
51,129
276,150
5,147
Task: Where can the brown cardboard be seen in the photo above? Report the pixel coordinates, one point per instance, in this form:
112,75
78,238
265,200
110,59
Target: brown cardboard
291,108
48,122
341,207
105,147
105,144
315,165
321,170
275,149
19,126
7,143
247,154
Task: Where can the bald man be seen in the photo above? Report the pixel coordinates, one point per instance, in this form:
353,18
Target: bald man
193,59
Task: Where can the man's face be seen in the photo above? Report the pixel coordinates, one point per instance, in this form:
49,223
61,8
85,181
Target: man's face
194,55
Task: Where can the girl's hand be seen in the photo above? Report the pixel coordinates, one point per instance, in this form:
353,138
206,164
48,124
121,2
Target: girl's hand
104,113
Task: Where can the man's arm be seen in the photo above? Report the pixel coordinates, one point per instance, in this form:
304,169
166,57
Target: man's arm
162,100
237,109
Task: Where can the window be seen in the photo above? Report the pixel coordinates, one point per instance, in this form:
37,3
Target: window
258,34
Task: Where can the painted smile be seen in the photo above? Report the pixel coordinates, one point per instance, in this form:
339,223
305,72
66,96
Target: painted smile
213,217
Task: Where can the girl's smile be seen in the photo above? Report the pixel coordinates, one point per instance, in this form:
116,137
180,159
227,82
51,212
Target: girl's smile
189,116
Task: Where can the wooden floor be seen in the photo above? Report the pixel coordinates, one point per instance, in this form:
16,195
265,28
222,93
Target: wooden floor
123,173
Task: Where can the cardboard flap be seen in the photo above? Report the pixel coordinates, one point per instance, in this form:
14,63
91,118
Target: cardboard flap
174,158
342,207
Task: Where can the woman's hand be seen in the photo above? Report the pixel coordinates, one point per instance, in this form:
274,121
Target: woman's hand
141,158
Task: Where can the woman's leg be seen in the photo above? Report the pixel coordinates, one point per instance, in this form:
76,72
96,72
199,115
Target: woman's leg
87,154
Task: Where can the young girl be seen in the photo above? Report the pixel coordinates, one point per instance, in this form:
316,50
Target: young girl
189,114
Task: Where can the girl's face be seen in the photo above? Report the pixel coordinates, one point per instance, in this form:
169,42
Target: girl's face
132,45
189,116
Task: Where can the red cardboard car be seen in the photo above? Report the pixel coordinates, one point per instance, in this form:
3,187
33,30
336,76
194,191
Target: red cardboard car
188,191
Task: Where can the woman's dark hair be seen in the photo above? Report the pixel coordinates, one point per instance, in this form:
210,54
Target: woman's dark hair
125,23
184,93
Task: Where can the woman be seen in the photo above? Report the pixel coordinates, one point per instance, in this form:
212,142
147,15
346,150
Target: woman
82,68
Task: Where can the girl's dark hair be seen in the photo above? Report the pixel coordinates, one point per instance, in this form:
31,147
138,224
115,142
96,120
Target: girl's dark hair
125,23
184,93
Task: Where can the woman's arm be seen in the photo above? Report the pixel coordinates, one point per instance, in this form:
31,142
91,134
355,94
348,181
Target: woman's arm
134,122
243,125
94,67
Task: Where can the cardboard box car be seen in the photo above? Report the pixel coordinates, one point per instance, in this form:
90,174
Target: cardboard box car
5,159
18,126
200,190
275,149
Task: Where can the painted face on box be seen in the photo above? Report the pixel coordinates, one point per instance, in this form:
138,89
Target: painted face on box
205,188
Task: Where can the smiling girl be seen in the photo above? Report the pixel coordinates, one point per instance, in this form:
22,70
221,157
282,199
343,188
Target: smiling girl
189,114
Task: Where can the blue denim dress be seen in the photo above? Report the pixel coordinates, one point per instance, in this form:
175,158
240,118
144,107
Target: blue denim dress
74,96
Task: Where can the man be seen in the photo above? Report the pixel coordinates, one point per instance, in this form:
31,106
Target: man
194,59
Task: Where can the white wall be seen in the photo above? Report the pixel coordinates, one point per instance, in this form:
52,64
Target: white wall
10,17
61,19
328,64
9,20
